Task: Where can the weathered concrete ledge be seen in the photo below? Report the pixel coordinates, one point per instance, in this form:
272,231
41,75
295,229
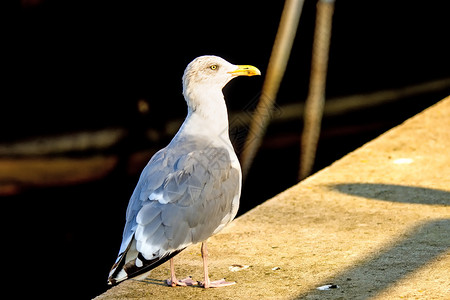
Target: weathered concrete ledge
376,223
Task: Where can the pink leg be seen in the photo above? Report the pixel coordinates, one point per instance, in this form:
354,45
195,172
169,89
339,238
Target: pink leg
173,281
208,283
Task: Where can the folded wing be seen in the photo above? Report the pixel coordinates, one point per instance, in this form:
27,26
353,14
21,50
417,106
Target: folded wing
183,197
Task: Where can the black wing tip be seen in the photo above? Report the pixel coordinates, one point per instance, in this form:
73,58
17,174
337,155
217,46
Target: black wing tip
132,270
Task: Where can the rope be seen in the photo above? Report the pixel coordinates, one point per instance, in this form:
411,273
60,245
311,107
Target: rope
275,71
316,94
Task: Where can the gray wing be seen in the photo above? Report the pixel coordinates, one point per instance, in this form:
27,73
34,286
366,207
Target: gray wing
184,196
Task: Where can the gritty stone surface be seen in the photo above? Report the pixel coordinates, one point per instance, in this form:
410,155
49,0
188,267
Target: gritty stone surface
375,223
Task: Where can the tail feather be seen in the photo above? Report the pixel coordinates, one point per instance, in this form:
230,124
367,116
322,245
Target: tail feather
131,263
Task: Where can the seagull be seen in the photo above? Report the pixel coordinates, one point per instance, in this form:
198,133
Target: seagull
190,189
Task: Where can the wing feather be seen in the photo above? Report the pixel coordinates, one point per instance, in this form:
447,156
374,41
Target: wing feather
183,196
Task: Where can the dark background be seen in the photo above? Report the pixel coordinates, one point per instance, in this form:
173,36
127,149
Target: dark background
84,65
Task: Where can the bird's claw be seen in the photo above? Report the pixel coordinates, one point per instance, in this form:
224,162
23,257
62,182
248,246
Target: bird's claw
216,284
183,282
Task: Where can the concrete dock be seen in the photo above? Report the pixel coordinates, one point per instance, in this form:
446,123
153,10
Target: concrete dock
373,225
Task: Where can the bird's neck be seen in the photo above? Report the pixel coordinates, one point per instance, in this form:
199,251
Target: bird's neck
207,114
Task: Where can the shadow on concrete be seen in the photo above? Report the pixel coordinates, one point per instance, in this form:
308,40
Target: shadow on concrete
422,244
151,281
395,193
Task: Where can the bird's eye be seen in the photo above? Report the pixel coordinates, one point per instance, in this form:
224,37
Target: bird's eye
213,67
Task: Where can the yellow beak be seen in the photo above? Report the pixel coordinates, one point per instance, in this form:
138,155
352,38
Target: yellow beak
245,70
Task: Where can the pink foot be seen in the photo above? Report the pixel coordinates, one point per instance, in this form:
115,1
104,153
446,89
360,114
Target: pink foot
183,282
216,284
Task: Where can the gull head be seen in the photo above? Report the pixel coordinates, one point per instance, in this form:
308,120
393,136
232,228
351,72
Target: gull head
212,73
